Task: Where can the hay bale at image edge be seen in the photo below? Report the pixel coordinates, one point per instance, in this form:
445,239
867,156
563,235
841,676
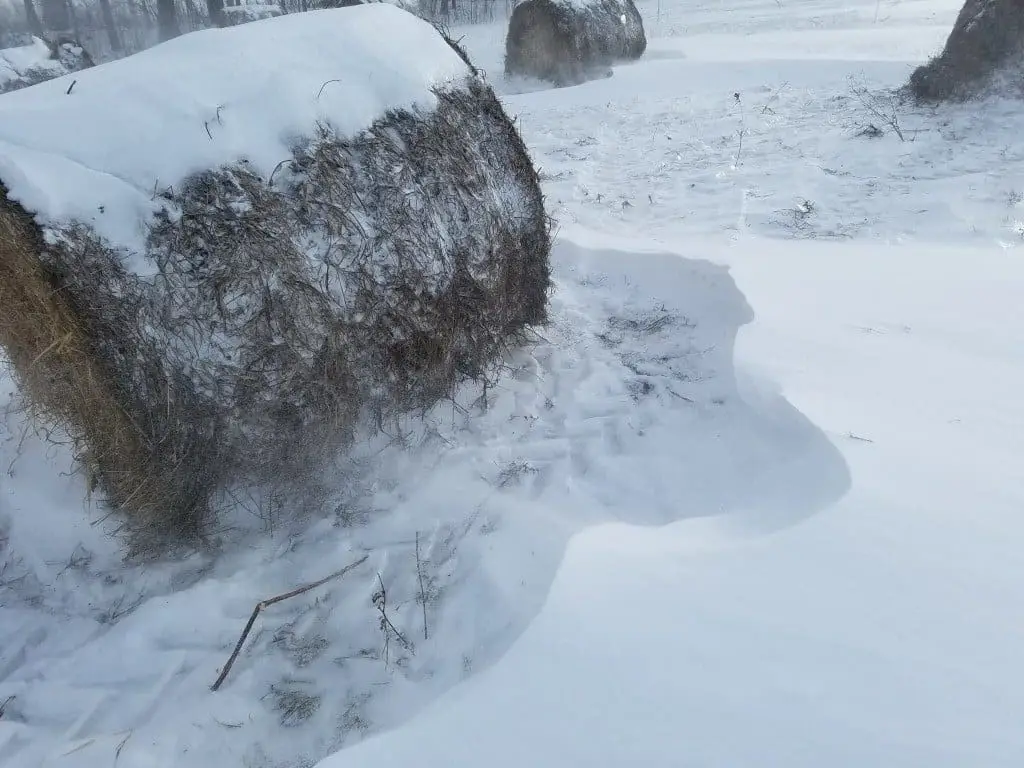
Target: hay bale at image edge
985,47
321,339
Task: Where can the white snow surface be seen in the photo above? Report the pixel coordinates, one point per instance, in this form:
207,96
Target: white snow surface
132,128
16,62
752,499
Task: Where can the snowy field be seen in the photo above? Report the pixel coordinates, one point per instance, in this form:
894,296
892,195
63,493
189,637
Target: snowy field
752,499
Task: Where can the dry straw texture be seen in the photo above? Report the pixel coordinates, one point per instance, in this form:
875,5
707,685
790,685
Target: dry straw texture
984,50
364,279
567,42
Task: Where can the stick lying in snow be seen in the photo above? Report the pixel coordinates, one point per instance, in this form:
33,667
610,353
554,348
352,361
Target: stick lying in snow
423,594
269,602
380,602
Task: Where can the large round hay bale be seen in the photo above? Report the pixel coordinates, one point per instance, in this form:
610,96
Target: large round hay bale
249,12
216,264
985,46
569,41
39,61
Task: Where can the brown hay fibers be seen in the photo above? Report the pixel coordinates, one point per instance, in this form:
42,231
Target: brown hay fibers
569,41
234,325
984,51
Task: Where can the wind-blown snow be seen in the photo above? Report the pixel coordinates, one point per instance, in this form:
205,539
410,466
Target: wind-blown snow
628,410
752,500
134,127
880,631
16,63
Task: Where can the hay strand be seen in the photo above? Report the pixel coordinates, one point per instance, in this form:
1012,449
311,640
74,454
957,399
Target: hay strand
264,604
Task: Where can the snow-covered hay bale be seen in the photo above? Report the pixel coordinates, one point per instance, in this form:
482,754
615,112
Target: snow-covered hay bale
40,61
569,41
986,46
248,12
221,255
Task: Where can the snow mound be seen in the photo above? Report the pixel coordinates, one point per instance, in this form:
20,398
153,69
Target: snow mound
131,128
879,631
628,411
37,62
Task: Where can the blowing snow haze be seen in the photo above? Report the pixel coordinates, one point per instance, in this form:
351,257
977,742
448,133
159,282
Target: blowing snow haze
569,383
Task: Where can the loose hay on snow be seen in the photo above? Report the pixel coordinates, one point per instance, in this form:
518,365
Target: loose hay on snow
365,278
569,41
986,45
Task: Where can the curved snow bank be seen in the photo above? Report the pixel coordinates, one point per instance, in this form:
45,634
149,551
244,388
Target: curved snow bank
628,410
208,99
733,445
883,632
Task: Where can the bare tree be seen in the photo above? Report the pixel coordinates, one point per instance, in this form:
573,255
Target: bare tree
108,22
35,26
216,10
56,15
167,19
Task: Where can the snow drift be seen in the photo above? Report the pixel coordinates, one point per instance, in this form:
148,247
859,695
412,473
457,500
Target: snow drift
215,261
569,41
987,42
40,61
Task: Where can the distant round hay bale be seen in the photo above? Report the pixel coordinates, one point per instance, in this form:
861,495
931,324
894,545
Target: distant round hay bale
270,312
248,12
39,61
567,42
985,47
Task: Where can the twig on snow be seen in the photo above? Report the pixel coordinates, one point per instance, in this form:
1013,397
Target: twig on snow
380,601
775,95
277,168
742,131
883,108
321,91
120,747
271,601
17,453
423,594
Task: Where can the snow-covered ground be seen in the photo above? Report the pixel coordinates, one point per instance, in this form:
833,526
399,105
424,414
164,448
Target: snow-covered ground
880,630
752,499
15,62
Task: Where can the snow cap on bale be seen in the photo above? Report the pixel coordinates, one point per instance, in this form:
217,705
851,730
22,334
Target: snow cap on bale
569,41
985,49
143,124
218,256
